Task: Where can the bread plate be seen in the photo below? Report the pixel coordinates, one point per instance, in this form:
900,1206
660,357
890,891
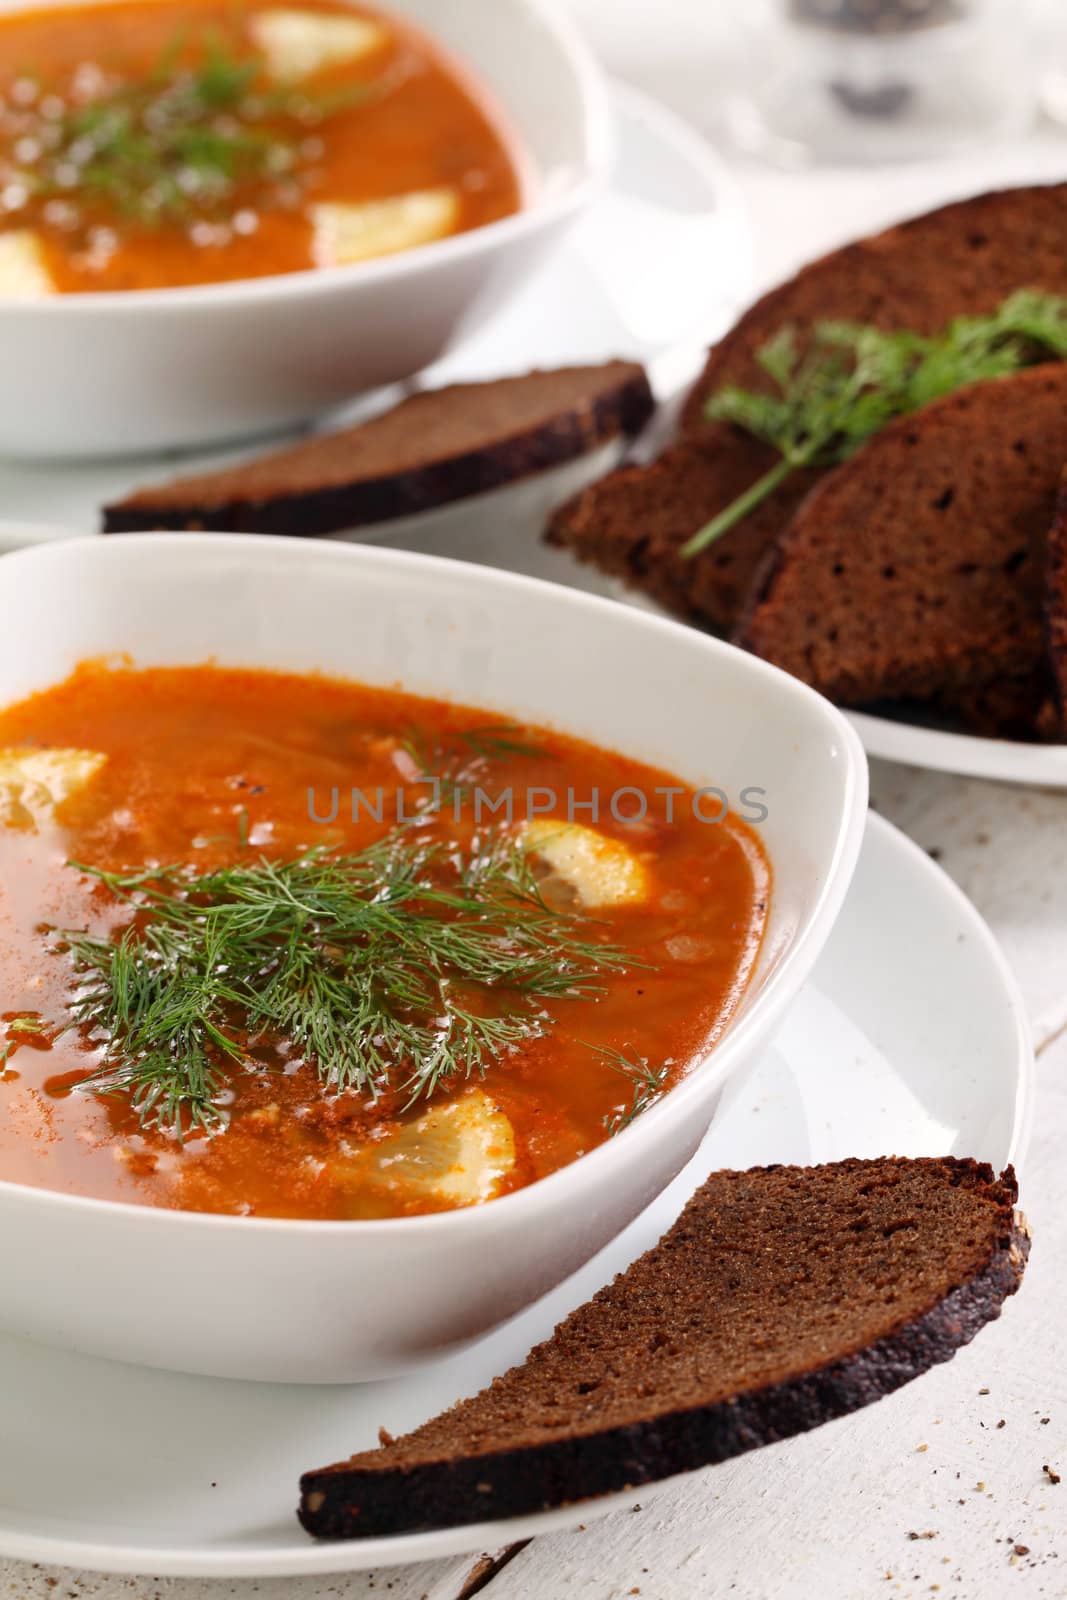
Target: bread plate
967,755
938,1061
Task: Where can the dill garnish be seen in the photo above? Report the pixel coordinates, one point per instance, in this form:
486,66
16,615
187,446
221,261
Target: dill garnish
23,1025
852,380
174,144
648,1084
495,742
455,752
455,762
399,967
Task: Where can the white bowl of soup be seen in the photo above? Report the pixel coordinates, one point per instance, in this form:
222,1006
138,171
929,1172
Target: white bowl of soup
378,934
222,217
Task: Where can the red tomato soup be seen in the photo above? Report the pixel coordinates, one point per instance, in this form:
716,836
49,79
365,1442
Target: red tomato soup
284,946
154,143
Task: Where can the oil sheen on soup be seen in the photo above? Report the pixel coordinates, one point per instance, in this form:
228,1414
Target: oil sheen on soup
286,946
158,143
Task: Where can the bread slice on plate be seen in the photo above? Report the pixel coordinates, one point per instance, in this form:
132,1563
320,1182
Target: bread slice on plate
960,260
916,569
781,1298
437,446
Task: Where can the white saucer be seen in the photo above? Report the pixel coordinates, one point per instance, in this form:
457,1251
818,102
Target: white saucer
911,1039
656,271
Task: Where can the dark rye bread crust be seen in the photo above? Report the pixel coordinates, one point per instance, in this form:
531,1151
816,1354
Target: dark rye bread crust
1056,611
962,259
916,569
782,1297
435,447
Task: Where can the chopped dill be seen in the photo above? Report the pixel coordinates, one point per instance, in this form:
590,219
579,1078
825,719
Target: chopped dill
175,144
495,742
400,967
648,1083
458,760
24,1025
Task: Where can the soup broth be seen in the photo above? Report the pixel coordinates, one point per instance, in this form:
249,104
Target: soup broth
155,143
219,789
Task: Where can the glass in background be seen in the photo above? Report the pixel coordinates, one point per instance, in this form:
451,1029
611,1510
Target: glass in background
870,81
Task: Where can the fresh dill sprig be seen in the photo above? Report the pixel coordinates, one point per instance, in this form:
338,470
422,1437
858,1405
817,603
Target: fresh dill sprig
456,751
398,967
23,1025
455,762
648,1084
27,1024
497,741
176,143
850,381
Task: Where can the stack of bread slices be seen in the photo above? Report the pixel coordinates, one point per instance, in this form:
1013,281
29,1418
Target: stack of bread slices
920,570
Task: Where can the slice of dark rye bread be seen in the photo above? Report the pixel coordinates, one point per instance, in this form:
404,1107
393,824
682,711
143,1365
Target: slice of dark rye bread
434,447
962,259
916,569
1056,609
781,1298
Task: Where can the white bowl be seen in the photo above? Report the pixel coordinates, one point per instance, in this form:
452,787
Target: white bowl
320,1302
99,374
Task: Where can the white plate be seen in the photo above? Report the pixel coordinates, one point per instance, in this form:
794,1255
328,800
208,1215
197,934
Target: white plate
657,269
1009,761
910,1039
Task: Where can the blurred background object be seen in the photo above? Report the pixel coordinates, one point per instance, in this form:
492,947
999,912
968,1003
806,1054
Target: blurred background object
866,81
1050,43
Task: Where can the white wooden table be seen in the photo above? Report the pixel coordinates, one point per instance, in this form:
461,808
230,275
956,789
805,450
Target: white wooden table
941,1488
